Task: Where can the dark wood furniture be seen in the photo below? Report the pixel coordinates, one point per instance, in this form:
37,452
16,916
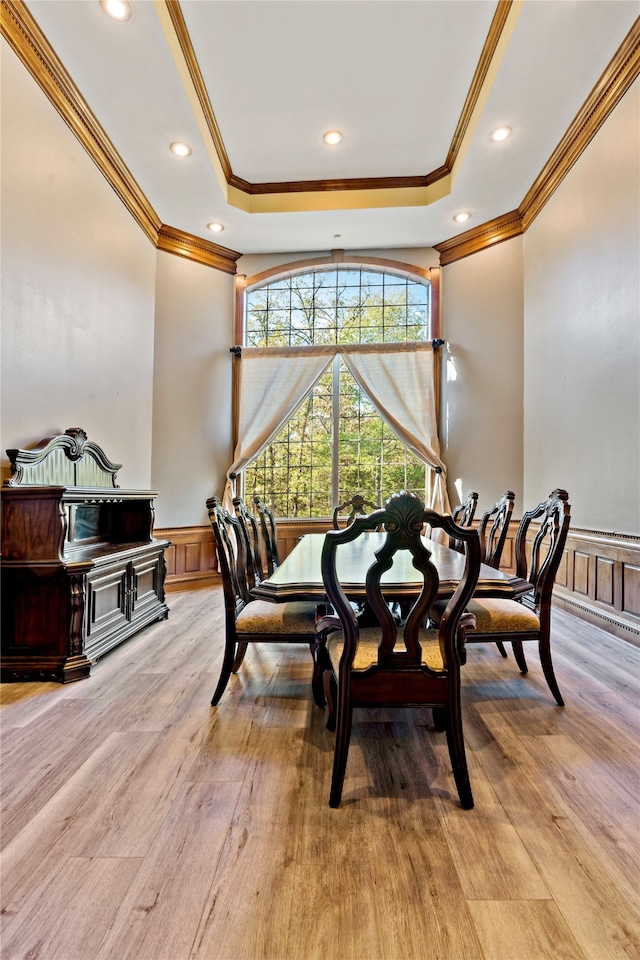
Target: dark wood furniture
357,503
530,618
247,620
253,540
492,530
463,515
81,569
299,576
269,534
391,664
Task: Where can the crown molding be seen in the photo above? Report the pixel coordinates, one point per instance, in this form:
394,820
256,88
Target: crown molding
182,244
26,39
617,78
506,227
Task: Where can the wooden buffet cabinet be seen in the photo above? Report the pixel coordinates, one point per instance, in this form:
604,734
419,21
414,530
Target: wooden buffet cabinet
81,568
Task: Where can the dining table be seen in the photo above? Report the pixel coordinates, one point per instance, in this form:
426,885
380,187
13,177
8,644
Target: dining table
299,576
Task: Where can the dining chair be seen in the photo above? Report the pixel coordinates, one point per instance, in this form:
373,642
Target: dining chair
390,663
492,530
463,515
269,534
252,534
357,503
248,620
538,556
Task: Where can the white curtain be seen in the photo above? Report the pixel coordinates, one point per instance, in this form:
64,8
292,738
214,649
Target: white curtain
399,381
273,383
398,378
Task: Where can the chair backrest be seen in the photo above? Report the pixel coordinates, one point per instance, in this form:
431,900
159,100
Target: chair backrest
496,519
231,556
269,534
357,503
540,565
402,518
463,515
250,528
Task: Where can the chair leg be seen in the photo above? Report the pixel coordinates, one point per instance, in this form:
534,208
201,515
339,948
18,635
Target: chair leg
500,646
343,736
518,653
318,653
455,742
544,647
225,672
439,718
330,692
239,657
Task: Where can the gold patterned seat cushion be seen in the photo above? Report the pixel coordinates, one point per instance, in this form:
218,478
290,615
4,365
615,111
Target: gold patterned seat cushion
261,616
367,652
495,616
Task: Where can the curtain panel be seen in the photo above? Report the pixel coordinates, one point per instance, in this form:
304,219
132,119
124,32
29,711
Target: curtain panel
398,379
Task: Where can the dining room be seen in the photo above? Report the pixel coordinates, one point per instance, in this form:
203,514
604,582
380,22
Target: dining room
272,336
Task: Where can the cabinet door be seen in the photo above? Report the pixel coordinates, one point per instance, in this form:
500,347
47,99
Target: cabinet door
147,588
108,607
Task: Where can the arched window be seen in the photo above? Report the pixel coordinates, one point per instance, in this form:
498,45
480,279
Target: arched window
336,443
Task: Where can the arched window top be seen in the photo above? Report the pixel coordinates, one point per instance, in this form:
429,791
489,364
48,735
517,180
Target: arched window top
337,303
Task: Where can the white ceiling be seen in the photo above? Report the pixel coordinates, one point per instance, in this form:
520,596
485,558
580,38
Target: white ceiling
393,76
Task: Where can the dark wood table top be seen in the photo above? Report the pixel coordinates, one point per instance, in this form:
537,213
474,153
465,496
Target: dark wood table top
299,576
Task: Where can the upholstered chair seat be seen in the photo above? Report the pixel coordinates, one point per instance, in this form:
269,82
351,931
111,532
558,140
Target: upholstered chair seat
495,616
261,616
367,652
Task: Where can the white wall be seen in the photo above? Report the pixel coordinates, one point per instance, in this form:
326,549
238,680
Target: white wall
482,413
582,329
78,278
192,388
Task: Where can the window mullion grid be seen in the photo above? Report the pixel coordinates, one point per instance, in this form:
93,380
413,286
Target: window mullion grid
335,430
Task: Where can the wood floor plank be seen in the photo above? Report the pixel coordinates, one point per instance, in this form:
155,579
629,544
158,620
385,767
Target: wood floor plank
490,858
111,807
592,899
67,919
524,930
251,903
605,810
160,913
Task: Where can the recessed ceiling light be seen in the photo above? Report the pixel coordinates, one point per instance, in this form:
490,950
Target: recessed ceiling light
500,133
215,227
117,9
332,137
180,149
462,217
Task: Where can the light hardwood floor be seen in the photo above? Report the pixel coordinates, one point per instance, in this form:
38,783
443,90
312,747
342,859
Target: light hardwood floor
139,822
